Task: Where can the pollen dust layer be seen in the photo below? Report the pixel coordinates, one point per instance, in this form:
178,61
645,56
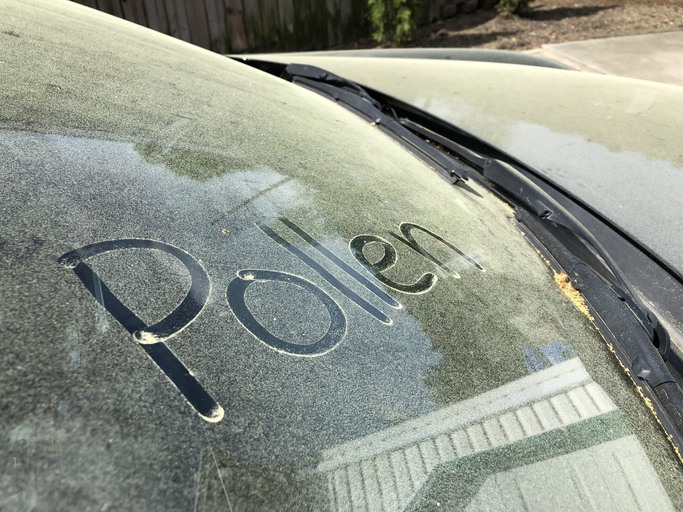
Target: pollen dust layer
574,295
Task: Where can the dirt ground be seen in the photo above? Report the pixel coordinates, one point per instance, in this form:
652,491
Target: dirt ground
553,21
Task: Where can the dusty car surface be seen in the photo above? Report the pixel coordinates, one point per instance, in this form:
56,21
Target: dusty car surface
220,290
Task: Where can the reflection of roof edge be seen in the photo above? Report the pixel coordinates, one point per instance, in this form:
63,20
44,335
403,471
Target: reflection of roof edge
470,471
517,394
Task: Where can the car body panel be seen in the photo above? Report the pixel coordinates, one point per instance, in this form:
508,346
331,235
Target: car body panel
145,179
458,54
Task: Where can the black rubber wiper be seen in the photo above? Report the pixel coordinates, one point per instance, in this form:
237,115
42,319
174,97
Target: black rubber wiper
352,95
590,268
421,131
636,335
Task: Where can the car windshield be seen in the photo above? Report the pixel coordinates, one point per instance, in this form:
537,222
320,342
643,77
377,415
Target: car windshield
221,291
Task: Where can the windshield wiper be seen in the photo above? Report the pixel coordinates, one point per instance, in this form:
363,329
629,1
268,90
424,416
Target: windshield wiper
352,95
495,167
639,339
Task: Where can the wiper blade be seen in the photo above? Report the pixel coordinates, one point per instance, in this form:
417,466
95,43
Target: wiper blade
352,95
295,72
580,243
495,167
586,261
470,157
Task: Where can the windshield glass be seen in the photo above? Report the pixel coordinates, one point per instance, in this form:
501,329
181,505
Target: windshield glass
221,291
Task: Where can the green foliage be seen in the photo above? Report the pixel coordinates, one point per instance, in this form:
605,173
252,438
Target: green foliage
509,7
393,20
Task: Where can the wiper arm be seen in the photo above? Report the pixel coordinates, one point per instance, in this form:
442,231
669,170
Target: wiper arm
633,329
495,167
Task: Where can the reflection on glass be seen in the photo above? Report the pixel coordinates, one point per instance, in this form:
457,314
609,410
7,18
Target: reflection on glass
505,446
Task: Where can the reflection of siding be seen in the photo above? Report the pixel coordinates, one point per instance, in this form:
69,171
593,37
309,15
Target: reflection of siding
615,475
384,471
227,26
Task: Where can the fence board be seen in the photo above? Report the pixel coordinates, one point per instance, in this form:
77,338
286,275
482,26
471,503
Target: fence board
112,7
236,34
252,24
270,22
331,6
89,3
286,13
138,6
172,18
215,15
197,23
177,19
183,24
227,26
129,11
101,5
156,15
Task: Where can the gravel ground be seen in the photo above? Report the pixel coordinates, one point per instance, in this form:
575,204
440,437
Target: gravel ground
553,21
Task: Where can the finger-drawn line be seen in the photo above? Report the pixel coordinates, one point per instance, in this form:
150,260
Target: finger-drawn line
407,227
425,283
326,275
331,339
341,264
186,311
252,198
150,338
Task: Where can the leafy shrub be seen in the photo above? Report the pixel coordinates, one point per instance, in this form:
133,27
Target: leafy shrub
393,20
509,7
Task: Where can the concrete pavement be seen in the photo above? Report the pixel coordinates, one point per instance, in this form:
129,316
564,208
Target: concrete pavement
656,57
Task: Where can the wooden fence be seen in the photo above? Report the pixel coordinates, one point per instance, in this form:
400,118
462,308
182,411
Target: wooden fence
234,26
